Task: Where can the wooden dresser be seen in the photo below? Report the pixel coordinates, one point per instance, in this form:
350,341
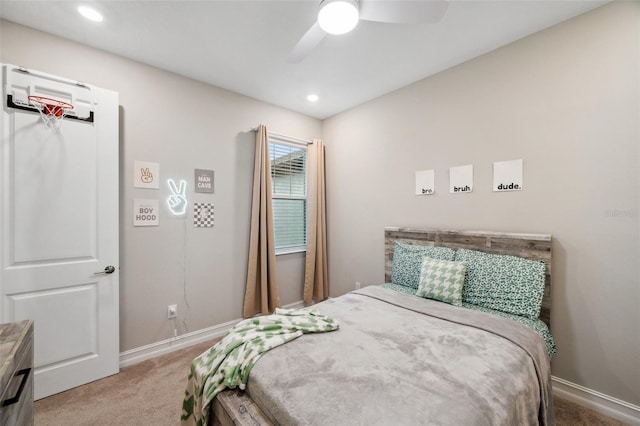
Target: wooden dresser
16,373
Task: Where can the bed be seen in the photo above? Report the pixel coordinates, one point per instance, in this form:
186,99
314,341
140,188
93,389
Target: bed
402,359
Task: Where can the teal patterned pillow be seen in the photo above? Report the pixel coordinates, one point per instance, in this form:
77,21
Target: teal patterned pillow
504,283
407,261
442,280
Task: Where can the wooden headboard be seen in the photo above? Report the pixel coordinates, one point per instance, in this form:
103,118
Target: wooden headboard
528,246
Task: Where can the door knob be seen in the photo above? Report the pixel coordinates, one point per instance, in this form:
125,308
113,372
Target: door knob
107,270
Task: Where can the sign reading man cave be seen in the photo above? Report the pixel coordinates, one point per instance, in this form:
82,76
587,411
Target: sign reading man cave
203,181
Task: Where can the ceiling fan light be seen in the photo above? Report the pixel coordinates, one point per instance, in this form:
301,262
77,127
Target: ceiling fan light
338,16
90,13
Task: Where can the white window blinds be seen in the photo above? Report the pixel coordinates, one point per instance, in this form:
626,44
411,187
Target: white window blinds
289,191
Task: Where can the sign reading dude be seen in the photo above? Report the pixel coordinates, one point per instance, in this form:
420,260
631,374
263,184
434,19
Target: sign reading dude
507,176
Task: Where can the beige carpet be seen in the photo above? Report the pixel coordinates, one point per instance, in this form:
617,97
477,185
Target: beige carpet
150,393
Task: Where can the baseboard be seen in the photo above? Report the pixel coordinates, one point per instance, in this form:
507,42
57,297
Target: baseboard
295,305
143,353
596,401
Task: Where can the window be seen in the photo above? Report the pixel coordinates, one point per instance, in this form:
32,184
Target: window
289,192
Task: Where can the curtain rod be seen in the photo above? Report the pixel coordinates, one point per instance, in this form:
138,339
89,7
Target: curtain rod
287,138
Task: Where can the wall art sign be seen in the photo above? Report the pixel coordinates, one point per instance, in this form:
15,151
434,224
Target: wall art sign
507,176
177,200
203,215
425,182
146,175
145,212
461,179
203,181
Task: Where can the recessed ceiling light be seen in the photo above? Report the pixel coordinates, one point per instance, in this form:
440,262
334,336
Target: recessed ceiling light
90,13
312,98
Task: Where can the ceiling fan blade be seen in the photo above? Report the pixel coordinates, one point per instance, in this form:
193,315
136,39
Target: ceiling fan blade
403,11
307,43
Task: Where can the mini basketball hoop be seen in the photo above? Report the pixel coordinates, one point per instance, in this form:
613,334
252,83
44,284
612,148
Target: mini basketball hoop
52,111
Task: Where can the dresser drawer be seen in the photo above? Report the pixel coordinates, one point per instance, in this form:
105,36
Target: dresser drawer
16,356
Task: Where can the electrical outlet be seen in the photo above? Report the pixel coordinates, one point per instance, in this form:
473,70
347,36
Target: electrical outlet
172,311
358,285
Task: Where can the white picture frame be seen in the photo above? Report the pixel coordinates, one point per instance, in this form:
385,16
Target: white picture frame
461,179
146,212
146,175
425,182
507,176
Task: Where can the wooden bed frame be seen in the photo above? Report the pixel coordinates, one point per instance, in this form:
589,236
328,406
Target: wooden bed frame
235,407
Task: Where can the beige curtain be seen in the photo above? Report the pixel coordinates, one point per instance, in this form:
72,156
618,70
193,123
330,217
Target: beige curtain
261,294
316,279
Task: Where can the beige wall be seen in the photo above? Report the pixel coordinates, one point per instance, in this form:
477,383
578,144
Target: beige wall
181,124
566,102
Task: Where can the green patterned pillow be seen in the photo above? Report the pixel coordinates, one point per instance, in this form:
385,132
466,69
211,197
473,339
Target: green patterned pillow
442,280
504,283
407,261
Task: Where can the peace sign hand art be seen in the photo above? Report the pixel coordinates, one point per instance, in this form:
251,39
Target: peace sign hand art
178,199
145,175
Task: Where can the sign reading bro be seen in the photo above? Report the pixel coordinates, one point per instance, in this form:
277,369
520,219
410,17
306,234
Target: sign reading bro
203,181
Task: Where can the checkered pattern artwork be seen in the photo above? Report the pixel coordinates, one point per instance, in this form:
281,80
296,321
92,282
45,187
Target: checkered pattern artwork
203,215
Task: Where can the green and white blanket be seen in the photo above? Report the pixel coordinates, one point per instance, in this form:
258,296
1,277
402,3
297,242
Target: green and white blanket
228,363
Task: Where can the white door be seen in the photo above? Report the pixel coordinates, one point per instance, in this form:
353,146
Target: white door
59,227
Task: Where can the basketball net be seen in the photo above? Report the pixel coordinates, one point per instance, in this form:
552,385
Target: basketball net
52,111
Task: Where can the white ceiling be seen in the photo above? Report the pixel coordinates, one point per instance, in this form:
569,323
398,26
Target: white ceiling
242,45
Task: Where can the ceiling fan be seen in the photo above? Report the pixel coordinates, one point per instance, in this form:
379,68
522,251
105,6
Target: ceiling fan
341,16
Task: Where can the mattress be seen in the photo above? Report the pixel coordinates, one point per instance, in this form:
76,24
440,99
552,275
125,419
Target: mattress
403,360
536,325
